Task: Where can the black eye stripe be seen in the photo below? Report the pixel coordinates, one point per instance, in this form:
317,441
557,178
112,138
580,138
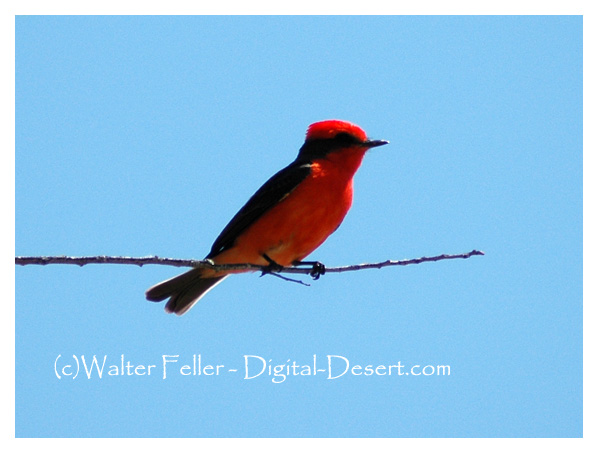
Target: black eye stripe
317,148
344,138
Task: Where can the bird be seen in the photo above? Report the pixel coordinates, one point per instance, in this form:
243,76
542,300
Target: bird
287,218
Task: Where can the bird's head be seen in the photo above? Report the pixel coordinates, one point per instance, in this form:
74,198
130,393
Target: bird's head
328,136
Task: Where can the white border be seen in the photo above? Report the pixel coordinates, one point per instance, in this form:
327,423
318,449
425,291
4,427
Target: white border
591,422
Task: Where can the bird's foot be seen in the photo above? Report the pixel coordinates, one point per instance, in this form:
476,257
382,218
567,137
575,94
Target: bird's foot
272,267
318,268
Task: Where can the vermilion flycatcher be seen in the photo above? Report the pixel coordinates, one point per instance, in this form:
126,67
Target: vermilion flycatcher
287,218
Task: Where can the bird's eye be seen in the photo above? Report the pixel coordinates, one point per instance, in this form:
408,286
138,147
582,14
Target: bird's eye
345,138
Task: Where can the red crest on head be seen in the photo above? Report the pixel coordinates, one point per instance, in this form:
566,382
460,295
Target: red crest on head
330,128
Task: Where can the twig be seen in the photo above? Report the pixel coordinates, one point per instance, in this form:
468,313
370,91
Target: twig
155,260
285,278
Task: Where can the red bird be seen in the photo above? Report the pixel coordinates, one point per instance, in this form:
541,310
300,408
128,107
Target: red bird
292,214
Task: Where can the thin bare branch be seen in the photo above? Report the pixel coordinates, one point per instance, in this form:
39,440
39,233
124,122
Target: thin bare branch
155,260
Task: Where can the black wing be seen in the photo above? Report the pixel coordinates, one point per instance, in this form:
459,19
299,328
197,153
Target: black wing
274,190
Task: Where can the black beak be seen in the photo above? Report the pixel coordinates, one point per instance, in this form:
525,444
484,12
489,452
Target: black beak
375,143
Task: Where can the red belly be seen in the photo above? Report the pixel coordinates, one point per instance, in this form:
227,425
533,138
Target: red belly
298,224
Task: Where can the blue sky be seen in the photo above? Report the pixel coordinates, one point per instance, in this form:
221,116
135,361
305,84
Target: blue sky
144,135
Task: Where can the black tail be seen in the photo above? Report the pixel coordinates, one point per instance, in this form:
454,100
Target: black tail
184,290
